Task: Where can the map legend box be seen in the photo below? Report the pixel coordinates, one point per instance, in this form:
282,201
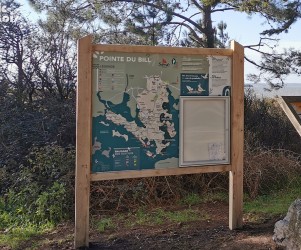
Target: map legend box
126,158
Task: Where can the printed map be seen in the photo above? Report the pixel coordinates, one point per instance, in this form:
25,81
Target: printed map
135,123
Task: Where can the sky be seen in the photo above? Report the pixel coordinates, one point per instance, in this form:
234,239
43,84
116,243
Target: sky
245,30
241,28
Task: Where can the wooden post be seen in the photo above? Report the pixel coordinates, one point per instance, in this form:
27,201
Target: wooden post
237,138
83,142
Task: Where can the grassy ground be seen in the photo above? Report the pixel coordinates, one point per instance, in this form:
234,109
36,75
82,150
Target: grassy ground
276,203
258,210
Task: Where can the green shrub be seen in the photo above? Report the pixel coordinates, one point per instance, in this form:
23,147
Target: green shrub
104,224
42,191
50,204
29,127
28,206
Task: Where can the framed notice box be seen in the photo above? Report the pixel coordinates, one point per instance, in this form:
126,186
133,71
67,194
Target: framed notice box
204,131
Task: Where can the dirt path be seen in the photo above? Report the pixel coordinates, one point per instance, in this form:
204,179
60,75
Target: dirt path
208,234
250,237
212,233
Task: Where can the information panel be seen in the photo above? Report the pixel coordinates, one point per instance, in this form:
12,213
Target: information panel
135,105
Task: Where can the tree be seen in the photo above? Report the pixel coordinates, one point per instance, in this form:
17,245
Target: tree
37,86
195,16
38,59
16,51
56,72
275,65
147,23
180,23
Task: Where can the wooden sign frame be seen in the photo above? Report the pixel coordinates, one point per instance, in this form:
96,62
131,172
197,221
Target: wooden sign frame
288,104
84,176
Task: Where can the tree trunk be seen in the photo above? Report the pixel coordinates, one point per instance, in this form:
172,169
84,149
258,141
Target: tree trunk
207,26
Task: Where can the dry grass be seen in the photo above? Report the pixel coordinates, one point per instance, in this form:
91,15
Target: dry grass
267,170
129,194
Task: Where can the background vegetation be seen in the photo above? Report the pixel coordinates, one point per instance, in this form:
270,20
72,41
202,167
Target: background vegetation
37,110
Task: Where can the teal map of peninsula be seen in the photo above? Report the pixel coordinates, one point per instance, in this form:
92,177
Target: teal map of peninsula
135,123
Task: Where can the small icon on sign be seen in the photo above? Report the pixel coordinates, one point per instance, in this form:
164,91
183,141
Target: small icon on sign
164,63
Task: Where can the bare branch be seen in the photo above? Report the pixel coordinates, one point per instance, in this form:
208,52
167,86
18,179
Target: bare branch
259,66
196,25
224,9
197,5
195,35
260,43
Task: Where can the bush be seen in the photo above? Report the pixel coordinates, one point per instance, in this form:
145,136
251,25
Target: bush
272,147
51,204
266,171
42,191
267,126
31,126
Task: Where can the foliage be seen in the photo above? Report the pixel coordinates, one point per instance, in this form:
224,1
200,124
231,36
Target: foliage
191,199
104,224
16,52
56,71
266,125
124,195
185,23
272,147
16,236
276,203
28,206
37,107
51,204
42,192
31,126
194,16
37,90
149,217
38,60
148,23
267,171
